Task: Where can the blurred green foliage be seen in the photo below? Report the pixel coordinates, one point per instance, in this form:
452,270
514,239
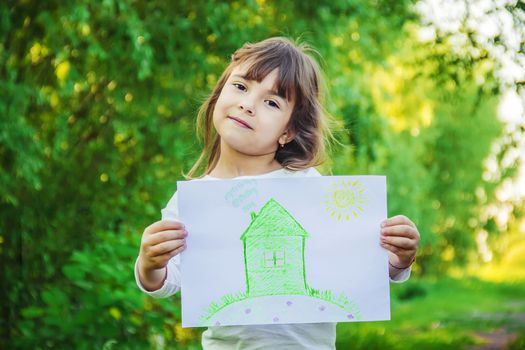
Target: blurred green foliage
97,105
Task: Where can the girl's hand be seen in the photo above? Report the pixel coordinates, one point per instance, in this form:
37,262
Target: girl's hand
160,242
400,237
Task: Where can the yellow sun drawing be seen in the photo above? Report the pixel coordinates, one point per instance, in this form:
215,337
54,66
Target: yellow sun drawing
344,199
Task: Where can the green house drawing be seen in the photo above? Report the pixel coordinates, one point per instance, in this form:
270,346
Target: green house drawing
274,265
274,253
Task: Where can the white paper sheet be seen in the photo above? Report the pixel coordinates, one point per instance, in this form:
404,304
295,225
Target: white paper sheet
283,250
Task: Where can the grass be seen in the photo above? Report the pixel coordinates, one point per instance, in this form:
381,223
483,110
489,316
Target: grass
445,313
341,301
229,299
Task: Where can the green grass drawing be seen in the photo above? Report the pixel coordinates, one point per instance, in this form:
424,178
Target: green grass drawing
274,262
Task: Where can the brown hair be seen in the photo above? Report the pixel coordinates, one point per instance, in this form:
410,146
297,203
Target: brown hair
299,79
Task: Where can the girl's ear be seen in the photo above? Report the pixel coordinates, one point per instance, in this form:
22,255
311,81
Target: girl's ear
286,137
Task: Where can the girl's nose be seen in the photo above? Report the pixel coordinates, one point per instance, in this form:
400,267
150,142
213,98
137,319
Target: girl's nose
247,108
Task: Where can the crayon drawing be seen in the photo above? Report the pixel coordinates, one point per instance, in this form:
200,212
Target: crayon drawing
344,199
274,263
283,250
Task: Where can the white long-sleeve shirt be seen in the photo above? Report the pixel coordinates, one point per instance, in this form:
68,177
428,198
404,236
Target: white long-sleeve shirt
318,336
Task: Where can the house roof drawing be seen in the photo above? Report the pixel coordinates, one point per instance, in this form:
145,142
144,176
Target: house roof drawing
273,220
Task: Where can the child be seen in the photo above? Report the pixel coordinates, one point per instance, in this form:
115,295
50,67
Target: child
262,120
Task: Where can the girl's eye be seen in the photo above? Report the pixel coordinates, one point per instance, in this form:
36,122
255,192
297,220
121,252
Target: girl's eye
272,103
239,86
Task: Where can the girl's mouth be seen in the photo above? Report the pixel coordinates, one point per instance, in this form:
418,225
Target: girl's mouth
240,122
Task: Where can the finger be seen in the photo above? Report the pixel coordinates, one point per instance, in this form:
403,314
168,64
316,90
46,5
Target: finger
390,248
177,251
400,230
164,236
400,252
400,242
160,261
165,247
397,220
164,225
172,253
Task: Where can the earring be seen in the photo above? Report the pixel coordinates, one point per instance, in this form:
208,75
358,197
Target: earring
282,145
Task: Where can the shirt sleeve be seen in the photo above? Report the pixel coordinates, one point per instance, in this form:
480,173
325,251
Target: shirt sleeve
402,276
173,278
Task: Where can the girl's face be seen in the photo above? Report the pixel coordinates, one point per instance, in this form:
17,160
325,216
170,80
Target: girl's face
250,117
